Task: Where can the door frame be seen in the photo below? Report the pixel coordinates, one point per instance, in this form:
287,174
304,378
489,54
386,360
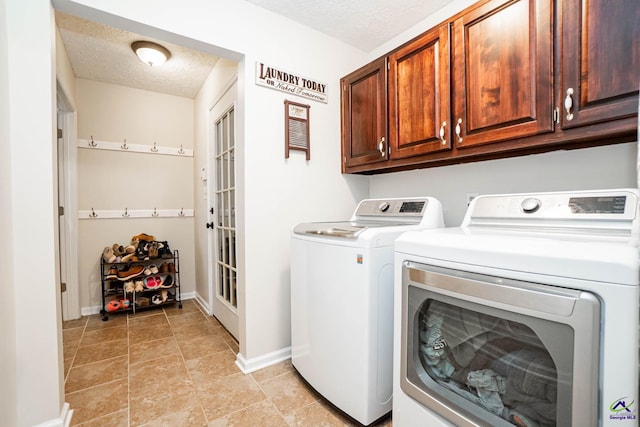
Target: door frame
68,168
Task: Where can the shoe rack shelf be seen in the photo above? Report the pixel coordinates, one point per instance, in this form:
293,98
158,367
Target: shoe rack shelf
129,287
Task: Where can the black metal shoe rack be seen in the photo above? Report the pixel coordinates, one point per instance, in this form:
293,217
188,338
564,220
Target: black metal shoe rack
114,289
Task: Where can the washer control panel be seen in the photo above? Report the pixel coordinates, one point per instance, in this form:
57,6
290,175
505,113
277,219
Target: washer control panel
391,207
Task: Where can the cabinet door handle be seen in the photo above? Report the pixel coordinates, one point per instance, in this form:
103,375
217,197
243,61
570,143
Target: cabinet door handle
568,104
444,125
381,146
459,130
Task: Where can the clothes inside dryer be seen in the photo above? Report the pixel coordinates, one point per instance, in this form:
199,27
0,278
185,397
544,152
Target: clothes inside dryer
500,365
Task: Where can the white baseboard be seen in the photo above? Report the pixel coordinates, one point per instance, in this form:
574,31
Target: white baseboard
88,311
248,366
203,304
64,420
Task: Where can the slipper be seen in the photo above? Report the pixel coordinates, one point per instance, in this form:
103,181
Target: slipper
151,283
128,287
118,250
167,282
130,272
139,285
156,299
143,236
108,255
112,273
113,305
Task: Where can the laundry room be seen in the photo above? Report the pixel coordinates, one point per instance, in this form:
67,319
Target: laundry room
272,191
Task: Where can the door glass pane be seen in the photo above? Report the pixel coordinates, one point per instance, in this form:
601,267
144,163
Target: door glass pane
225,208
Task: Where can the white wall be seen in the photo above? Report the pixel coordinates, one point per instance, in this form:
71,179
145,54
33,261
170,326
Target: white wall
611,166
8,344
32,333
115,180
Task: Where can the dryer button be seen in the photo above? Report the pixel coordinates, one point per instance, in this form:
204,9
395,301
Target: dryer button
530,205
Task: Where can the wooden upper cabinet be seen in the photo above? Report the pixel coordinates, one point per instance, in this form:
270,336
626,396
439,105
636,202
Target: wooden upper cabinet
600,61
418,88
364,115
503,72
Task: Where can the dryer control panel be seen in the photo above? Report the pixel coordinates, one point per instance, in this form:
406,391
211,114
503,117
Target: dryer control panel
578,210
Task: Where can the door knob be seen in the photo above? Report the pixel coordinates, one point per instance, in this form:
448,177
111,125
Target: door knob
210,225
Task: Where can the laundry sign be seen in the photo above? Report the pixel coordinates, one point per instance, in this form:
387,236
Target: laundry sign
285,81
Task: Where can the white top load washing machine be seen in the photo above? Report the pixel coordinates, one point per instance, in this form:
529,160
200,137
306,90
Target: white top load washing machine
342,301
527,314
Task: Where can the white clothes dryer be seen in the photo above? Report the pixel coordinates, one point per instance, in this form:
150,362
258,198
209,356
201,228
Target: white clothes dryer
342,301
527,314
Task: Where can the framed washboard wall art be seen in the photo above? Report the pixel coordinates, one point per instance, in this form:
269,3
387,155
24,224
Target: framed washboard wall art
296,128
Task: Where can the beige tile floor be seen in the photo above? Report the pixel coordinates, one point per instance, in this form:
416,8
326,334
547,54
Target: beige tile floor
176,367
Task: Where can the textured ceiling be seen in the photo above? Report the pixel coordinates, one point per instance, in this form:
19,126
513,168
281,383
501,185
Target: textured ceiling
365,24
102,53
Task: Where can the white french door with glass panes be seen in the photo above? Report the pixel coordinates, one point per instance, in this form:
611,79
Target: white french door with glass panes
223,268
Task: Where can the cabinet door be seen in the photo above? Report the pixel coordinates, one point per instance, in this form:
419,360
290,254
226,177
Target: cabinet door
600,61
364,115
502,86
419,95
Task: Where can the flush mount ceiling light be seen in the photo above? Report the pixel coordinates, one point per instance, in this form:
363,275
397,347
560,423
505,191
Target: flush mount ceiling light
151,53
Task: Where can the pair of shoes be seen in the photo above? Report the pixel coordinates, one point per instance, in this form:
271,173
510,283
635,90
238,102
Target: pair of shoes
167,267
112,273
130,271
142,301
108,256
150,269
118,250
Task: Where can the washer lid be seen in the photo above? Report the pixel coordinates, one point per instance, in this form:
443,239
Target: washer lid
343,229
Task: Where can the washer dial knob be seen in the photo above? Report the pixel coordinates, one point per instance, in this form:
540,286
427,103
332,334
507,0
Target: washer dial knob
384,206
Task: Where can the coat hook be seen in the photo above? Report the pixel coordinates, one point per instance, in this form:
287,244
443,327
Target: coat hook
155,147
126,214
125,146
180,151
93,214
181,212
92,143
155,213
